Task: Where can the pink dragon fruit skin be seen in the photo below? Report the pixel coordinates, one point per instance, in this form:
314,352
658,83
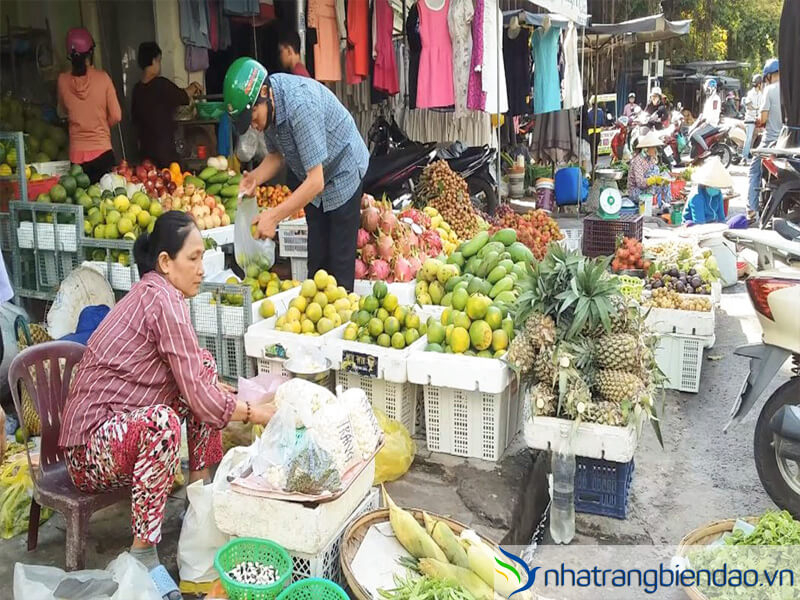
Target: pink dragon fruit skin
385,247
362,270
402,270
369,253
363,238
379,269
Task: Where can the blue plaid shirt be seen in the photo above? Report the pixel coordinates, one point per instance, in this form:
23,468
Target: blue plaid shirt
311,128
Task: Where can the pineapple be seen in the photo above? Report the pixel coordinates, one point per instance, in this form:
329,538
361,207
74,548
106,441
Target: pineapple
543,367
541,331
618,351
618,386
605,413
521,354
577,401
543,401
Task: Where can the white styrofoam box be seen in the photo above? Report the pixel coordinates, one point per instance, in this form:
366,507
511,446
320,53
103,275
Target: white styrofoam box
470,373
590,440
221,235
397,400
683,322
473,424
389,364
299,269
46,236
276,366
296,526
326,564
716,292
54,167
404,291
680,357
213,262
262,340
293,238
573,238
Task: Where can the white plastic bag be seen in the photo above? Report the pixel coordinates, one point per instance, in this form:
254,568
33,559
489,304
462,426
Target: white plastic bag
304,399
133,579
200,538
258,389
248,250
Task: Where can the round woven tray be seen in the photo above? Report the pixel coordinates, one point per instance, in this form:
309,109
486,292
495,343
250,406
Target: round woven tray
703,536
355,533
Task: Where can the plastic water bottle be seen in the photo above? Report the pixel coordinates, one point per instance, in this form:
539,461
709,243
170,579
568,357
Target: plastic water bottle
562,509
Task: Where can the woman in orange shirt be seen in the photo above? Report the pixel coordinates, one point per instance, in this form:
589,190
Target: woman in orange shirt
86,96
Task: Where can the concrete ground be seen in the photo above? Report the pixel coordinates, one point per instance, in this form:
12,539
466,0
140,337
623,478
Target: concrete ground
701,475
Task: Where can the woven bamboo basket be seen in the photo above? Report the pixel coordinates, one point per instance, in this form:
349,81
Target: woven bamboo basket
703,536
355,533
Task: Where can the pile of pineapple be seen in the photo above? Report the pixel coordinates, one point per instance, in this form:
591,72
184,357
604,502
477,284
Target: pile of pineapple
584,351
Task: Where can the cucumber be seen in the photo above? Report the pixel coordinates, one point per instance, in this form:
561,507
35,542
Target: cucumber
505,237
506,284
229,191
208,173
214,188
234,180
472,247
491,247
520,252
496,274
218,178
487,264
456,258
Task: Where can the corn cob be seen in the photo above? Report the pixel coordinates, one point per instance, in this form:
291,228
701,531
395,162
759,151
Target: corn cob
446,540
482,561
411,535
468,580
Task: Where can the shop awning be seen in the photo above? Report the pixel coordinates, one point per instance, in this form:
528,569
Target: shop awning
574,10
655,28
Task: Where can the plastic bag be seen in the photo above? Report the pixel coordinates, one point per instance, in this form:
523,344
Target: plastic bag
16,489
200,538
248,250
366,430
303,399
259,389
274,450
312,470
397,454
334,433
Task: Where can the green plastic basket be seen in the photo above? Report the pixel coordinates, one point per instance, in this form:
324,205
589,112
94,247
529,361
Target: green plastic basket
241,550
210,110
313,589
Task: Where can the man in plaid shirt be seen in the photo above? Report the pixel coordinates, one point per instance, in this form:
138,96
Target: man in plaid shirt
305,124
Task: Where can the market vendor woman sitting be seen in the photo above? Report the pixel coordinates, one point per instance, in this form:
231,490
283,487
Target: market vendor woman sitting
644,168
141,375
707,204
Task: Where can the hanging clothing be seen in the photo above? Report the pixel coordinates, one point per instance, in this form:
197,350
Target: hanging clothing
517,61
572,83
357,55
414,53
459,20
194,23
546,86
241,8
322,17
195,59
385,78
476,98
555,138
435,85
494,74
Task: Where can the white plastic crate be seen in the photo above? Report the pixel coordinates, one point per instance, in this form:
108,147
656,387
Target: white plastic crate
591,440
46,236
229,354
376,361
573,238
682,322
469,373
49,272
55,168
263,341
121,277
326,564
680,357
472,424
293,238
405,291
299,268
397,400
221,235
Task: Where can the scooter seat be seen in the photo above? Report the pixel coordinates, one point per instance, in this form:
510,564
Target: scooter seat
786,423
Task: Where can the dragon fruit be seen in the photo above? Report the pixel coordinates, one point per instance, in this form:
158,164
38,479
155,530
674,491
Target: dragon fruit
406,242
431,243
402,270
367,200
379,269
370,218
387,222
363,238
369,253
385,247
420,218
415,264
361,269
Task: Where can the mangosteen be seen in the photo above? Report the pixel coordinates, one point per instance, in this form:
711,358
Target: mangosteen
674,272
682,275
689,289
693,272
696,281
657,284
679,287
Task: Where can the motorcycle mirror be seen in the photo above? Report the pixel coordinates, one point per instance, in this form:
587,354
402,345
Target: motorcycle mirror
402,201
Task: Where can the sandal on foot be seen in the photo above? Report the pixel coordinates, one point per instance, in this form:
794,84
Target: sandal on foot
165,585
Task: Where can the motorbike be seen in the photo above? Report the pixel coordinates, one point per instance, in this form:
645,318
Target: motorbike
396,163
775,294
620,139
717,141
780,190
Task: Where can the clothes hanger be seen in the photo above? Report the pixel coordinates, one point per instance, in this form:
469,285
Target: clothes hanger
513,28
546,23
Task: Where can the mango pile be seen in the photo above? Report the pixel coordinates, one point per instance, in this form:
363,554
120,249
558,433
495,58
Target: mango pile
381,320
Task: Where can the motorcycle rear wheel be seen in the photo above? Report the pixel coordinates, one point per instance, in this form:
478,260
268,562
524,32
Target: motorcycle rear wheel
780,477
486,202
724,152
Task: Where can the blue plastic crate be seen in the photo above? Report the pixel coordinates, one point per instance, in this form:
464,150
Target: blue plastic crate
602,487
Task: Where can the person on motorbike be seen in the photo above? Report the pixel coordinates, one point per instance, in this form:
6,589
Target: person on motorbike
709,118
771,119
628,111
656,109
644,165
707,205
752,103
729,108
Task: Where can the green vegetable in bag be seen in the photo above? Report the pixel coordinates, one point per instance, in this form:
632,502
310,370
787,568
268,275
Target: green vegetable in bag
16,490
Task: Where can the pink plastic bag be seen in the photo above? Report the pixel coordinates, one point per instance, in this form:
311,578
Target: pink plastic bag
259,389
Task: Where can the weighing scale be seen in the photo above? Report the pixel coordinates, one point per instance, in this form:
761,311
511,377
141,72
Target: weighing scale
610,203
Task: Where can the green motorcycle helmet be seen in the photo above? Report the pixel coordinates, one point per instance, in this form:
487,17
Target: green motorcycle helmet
241,90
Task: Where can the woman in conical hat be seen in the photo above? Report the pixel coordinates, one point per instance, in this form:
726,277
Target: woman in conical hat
706,205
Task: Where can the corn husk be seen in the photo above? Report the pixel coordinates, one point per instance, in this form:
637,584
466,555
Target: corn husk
481,559
448,542
468,580
411,535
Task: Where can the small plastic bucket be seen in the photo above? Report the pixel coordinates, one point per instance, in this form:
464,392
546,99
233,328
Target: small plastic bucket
516,184
545,194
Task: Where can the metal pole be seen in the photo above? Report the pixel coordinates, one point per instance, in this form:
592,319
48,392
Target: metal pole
498,15
594,112
580,120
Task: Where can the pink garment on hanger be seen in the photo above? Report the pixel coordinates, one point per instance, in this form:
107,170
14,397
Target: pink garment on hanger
476,97
435,83
322,17
385,76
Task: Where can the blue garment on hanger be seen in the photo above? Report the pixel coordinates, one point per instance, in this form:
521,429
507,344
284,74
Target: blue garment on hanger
546,84
224,135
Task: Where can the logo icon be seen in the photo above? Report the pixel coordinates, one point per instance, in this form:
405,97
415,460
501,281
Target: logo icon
506,568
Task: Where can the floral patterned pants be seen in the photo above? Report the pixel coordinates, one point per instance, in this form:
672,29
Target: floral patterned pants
141,450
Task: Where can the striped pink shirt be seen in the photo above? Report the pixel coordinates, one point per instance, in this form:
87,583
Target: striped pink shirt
145,352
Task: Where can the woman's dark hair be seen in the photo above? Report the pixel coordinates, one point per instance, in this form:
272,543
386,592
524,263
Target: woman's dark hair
290,39
169,234
148,52
79,62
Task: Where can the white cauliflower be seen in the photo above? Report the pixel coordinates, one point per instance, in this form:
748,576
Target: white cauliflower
304,397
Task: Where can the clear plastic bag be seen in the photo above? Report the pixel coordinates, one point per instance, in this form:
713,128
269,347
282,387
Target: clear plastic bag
397,454
365,426
248,250
259,389
303,398
312,471
275,449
